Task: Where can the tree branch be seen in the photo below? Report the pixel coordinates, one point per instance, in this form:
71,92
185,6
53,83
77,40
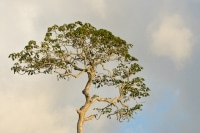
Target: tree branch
90,117
108,100
106,69
70,74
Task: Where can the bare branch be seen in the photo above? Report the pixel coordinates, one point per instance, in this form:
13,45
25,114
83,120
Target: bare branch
122,103
90,117
108,100
70,74
106,69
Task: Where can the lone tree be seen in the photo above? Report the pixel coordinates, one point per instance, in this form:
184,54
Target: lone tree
73,49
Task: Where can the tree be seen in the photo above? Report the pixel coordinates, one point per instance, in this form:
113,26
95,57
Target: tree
73,49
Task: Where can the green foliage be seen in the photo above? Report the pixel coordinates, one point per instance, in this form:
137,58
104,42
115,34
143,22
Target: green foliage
72,49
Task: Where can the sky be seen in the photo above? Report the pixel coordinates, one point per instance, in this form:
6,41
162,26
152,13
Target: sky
165,34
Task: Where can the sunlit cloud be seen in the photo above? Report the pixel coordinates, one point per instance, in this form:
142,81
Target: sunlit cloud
25,111
172,39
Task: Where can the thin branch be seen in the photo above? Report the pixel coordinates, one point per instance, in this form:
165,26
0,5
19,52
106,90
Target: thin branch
122,103
108,100
106,69
90,117
70,74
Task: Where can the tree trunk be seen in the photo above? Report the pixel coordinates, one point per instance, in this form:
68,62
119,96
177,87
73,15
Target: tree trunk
80,123
82,111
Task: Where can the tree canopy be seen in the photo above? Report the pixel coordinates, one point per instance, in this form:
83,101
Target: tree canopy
71,50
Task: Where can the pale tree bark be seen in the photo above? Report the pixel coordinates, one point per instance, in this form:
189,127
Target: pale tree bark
82,111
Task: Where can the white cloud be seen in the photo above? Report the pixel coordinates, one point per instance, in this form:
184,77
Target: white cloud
29,111
172,39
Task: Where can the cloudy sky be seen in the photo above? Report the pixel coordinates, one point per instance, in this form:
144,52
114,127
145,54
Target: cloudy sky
165,34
